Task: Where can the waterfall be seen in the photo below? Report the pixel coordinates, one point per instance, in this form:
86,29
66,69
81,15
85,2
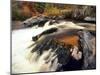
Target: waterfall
23,61
51,51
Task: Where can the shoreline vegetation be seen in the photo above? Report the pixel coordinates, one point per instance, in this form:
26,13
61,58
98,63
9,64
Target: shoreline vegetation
23,10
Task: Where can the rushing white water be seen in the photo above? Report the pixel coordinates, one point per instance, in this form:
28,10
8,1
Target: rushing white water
20,40
23,61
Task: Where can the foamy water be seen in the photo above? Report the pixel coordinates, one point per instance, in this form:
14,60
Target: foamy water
22,60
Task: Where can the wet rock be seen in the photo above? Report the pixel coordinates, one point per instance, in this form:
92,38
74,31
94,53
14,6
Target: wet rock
90,19
81,41
40,21
89,56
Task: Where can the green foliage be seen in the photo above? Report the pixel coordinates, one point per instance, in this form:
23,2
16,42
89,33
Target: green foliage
39,7
17,13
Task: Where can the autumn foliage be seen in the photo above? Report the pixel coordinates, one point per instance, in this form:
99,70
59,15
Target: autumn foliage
22,10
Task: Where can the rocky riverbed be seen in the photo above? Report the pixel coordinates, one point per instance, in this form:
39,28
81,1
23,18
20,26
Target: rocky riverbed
68,50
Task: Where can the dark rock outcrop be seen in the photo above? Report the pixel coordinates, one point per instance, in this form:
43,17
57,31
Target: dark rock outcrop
61,45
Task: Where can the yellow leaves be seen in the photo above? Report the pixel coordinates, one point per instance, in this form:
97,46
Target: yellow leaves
52,11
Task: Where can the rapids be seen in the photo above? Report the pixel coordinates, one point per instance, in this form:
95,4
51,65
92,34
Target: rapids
21,61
